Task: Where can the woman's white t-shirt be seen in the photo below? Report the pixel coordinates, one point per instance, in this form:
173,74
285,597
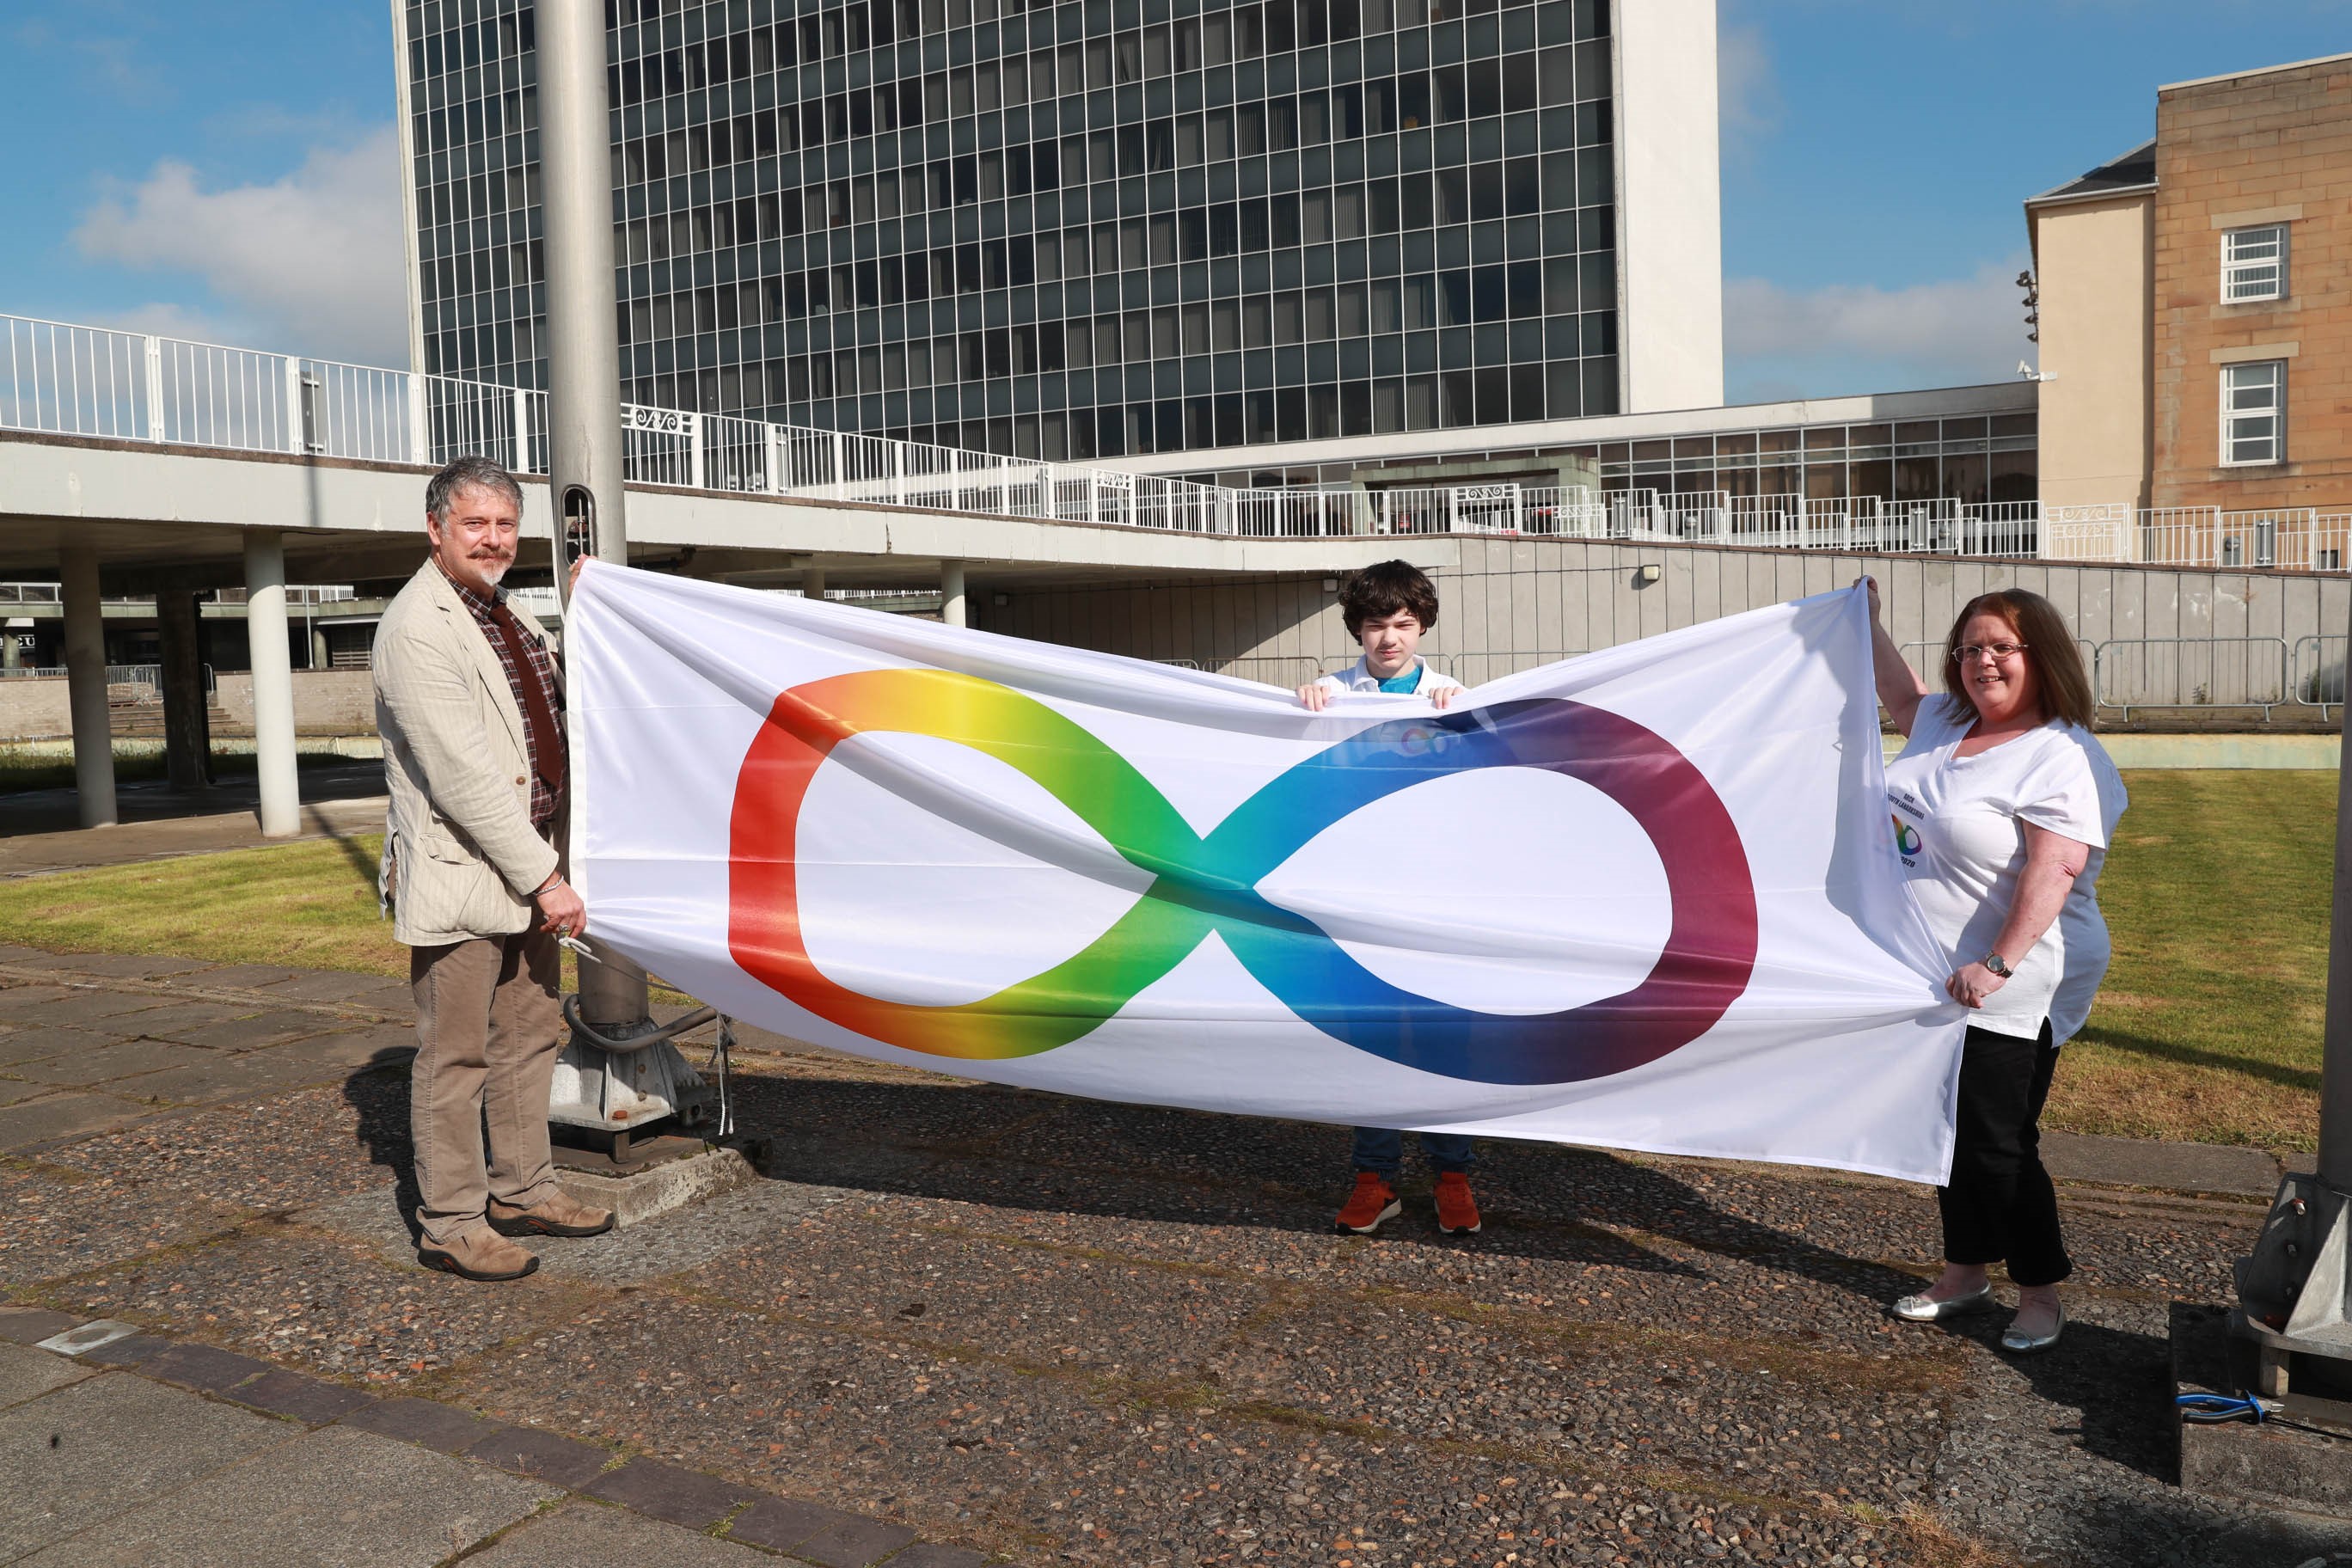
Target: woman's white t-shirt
1958,829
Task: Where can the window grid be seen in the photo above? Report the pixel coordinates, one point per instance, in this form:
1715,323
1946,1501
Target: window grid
2253,264
1977,458
1071,232
2254,413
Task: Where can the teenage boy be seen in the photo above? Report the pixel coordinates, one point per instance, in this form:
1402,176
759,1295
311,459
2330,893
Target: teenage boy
1388,608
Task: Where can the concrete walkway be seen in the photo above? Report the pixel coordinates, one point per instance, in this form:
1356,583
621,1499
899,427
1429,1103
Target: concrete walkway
164,1452
39,830
1019,1326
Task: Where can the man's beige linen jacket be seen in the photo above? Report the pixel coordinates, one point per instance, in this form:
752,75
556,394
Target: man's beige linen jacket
460,857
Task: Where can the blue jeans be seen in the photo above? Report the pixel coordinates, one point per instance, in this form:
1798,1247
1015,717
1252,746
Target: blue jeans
1381,1149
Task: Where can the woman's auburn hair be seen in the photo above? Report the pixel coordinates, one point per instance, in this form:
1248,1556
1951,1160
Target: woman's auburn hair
2057,661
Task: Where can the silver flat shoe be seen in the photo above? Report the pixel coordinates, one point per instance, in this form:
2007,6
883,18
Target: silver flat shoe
2010,1339
1921,1310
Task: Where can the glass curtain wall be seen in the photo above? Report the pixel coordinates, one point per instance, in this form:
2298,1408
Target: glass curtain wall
1977,458
1066,231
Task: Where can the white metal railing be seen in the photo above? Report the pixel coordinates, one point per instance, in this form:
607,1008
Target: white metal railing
69,380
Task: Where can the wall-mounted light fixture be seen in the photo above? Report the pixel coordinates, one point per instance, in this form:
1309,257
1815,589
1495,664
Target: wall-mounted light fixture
1647,573
1331,584
1001,599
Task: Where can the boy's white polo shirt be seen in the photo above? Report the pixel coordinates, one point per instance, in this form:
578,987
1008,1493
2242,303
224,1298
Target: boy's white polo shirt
1359,678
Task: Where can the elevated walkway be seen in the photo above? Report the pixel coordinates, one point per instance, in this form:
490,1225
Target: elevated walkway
167,517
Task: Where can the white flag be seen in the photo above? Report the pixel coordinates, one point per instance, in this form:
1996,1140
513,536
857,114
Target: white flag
1646,899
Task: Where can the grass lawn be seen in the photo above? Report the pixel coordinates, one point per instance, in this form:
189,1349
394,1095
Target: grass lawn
2207,1029
310,905
2209,1024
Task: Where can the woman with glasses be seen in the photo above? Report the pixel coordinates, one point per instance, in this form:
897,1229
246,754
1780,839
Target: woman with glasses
2004,803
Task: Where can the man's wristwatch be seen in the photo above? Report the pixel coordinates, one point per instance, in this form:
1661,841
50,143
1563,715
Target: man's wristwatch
1998,964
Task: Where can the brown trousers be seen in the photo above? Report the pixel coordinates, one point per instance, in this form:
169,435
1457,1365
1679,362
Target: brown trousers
488,1029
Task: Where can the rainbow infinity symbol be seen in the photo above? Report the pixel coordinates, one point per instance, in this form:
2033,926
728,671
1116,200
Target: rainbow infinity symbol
1205,884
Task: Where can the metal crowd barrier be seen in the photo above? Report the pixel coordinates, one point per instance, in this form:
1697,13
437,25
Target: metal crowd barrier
2319,661
2193,672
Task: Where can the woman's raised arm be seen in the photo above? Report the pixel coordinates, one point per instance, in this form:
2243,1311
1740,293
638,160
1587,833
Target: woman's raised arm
1899,689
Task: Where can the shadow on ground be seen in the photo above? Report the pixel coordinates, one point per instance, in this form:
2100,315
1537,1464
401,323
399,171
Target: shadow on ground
1049,1154
2278,1073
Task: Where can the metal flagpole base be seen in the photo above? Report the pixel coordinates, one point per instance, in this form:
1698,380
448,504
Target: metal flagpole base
626,1095
619,1074
2294,1303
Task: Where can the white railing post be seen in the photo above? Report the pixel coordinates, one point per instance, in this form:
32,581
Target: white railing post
696,461
840,471
775,460
293,404
522,432
1094,495
155,389
898,472
420,426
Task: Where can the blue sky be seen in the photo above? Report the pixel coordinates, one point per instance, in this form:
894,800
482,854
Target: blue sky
226,170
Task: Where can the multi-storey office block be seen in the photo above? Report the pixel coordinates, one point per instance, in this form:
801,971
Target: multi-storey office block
1101,228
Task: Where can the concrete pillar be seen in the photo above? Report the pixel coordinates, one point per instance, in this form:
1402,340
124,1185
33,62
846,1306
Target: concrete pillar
951,593
812,582
187,729
317,646
273,681
11,656
93,737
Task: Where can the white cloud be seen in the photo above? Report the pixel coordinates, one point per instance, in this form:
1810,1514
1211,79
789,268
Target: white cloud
1747,92
313,262
1857,337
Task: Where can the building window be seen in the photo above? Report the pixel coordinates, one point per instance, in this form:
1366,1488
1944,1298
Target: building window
2253,412
2253,264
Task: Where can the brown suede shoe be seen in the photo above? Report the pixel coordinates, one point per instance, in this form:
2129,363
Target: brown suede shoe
481,1255
559,1214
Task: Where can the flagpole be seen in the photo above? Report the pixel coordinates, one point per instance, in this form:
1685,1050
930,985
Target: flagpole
2293,1316
583,373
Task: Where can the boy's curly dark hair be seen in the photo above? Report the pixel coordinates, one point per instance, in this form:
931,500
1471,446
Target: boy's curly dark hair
1379,592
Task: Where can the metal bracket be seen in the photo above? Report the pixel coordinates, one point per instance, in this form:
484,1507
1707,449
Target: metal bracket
2295,1299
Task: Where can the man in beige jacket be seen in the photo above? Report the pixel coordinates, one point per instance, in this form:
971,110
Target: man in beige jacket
470,706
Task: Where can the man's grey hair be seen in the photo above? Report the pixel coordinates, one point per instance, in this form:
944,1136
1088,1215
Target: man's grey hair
471,472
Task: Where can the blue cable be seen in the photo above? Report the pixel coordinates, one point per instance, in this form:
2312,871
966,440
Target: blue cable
2213,1409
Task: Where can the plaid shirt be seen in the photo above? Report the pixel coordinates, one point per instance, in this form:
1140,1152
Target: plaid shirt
543,802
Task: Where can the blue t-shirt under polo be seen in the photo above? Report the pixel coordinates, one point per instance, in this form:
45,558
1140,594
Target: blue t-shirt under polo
1404,685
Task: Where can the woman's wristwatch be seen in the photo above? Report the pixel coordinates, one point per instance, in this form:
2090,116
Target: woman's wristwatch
1998,964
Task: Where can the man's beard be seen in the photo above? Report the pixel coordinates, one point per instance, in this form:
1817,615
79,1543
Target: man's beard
493,569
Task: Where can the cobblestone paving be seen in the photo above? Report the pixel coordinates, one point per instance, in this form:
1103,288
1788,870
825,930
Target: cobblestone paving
1064,1332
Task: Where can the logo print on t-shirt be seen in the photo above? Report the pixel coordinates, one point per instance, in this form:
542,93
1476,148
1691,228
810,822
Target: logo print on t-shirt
1907,840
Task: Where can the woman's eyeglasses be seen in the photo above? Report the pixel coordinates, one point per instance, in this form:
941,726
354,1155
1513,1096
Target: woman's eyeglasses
1969,652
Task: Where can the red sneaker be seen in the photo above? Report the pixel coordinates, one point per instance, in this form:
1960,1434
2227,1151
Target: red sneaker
1372,1202
1457,1211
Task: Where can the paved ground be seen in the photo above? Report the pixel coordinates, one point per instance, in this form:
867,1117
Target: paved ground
1053,1331
130,1448
41,832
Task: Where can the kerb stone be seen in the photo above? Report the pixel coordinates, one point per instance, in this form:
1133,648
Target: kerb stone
2292,1466
658,1189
